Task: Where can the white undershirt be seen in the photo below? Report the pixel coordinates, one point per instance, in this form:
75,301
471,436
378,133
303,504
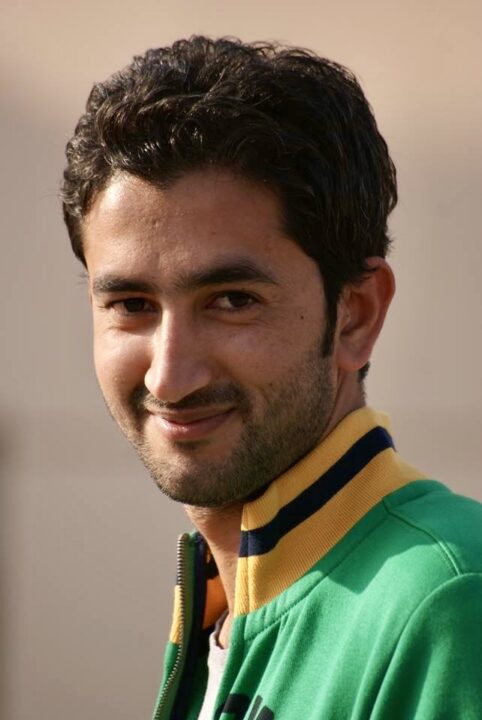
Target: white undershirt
216,663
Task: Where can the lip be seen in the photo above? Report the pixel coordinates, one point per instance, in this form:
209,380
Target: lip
192,425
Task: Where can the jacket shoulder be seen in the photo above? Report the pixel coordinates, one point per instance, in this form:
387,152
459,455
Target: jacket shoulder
451,523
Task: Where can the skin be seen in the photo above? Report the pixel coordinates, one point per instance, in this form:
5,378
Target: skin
208,326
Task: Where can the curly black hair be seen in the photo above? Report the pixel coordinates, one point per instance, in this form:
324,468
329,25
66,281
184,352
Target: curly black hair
277,115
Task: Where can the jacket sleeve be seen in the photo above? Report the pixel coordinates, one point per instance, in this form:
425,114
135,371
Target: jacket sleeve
435,672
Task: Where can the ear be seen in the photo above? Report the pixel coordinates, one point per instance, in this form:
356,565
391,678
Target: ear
361,313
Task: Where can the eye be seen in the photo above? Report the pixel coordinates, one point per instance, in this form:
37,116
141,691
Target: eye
132,306
234,300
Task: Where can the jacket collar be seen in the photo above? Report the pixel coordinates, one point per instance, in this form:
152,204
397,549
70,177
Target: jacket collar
306,511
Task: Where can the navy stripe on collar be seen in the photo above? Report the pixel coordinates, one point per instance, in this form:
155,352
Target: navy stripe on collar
263,539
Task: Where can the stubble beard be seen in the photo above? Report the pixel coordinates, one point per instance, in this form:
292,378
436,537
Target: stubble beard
296,415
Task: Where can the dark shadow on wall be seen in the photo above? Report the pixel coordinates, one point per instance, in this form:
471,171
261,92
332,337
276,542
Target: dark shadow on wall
33,249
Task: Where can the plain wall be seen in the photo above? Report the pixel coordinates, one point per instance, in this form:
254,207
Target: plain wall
87,541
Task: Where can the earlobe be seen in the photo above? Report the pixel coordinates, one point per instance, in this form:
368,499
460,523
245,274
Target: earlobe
361,313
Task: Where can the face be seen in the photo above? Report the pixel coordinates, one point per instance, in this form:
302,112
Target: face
208,328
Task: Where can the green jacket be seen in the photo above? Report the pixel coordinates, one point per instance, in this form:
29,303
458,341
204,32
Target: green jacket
358,595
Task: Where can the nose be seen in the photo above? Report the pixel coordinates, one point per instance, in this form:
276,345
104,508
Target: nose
179,364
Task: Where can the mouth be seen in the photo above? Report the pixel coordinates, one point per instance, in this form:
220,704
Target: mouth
191,425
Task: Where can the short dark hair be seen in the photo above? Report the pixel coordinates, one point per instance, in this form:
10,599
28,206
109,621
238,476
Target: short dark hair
280,116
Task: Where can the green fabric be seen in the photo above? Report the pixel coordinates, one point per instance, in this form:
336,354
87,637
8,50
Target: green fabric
387,625
198,689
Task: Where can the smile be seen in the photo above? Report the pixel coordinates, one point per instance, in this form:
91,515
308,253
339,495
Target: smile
192,425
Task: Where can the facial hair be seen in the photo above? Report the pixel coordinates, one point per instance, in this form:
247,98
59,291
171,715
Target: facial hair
295,414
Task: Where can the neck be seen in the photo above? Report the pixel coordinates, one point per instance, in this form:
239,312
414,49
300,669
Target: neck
221,527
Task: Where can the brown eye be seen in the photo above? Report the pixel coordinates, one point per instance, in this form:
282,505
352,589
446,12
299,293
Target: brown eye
235,300
134,305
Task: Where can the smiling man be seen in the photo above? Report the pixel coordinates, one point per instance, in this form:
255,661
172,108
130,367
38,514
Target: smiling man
230,204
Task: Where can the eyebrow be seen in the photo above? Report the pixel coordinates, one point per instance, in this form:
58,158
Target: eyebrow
227,272
117,283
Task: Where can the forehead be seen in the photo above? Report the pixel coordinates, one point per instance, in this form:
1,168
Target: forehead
204,217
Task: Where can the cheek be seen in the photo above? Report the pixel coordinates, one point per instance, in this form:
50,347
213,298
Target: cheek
121,363
267,355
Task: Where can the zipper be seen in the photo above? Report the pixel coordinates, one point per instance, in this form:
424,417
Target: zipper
182,544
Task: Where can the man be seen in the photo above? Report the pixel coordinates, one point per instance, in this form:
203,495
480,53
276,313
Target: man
230,203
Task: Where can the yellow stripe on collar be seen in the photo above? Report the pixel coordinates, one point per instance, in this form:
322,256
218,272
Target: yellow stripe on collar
289,485
260,578
262,574
305,512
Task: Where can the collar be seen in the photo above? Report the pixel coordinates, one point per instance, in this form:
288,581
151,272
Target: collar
306,511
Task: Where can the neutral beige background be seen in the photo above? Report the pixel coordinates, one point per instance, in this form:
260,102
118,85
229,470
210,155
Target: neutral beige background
87,541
